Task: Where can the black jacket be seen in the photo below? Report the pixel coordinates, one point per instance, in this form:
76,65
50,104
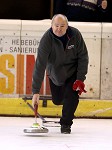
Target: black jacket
60,63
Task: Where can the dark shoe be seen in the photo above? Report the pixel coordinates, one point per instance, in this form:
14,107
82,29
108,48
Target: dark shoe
66,129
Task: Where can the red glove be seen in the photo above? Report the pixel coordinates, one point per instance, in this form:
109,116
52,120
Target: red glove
79,86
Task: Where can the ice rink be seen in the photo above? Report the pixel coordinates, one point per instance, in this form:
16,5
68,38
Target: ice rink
87,134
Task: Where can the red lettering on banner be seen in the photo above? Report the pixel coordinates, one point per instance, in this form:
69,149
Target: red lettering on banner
30,60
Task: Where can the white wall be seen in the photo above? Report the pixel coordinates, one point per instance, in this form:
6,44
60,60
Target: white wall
19,40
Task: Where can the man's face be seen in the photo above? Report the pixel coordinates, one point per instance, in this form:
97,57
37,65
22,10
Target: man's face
59,26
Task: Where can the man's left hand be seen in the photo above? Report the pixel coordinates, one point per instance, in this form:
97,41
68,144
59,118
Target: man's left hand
79,86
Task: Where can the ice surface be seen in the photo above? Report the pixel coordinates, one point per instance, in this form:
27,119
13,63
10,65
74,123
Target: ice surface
87,134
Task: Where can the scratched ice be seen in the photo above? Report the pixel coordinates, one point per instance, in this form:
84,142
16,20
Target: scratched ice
87,134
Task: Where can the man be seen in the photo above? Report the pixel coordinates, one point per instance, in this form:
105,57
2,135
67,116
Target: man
63,53
106,15
81,10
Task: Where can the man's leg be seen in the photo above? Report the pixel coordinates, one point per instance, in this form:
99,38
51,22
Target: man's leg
70,103
57,93
66,96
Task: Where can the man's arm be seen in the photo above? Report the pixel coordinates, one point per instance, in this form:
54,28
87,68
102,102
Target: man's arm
40,64
39,68
83,58
82,67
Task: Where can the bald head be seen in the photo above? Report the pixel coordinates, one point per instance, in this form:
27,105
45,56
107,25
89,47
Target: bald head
63,17
59,24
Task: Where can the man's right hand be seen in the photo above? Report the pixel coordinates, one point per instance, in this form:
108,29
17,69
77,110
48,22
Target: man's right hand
35,100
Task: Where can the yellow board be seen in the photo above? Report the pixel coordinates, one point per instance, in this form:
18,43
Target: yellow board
86,108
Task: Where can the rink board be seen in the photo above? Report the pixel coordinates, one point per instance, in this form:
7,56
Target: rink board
86,108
